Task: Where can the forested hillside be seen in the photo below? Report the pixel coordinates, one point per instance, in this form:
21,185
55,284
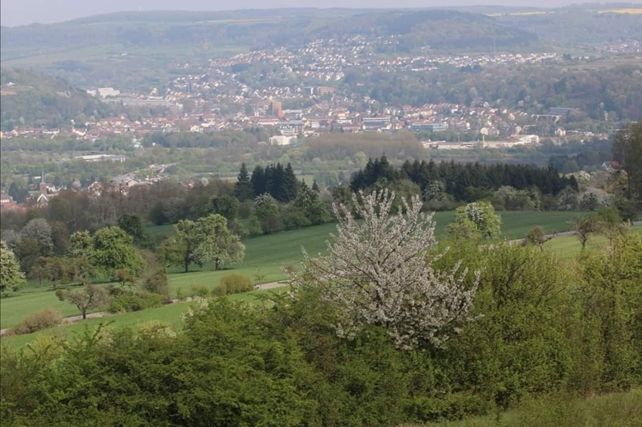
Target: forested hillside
30,98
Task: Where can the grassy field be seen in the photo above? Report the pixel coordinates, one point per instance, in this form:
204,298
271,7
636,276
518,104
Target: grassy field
567,247
171,315
614,409
264,261
265,257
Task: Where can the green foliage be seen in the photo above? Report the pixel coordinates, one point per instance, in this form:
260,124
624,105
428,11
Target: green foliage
536,333
156,283
11,277
34,241
113,250
217,243
508,198
86,298
122,301
243,187
39,100
233,283
538,330
203,241
518,187
268,213
275,180
627,150
180,248
227,206
133,225
480,217
610,313
536,237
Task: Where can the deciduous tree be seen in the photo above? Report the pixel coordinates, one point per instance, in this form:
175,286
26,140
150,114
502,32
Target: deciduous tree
482,216
10,275
378,271
627,150
113,250
86,298
217,243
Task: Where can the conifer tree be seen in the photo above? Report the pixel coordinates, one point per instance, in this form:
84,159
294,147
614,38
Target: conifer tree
290,184
258,181
243,188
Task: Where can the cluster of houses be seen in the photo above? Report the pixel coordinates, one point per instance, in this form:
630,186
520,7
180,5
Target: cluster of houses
41,194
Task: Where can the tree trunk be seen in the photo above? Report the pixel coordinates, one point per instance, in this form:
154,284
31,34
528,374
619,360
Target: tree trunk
186,264
83,311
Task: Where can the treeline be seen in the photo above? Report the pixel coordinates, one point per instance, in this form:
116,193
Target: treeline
275,180
461,181
567,158
270,200
439,29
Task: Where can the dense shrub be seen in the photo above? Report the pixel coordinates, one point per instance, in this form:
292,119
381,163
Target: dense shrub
233,283
157,283
538,329
125,301
41,320
198,291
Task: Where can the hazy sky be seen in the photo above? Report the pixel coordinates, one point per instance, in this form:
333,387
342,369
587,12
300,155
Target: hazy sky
20,12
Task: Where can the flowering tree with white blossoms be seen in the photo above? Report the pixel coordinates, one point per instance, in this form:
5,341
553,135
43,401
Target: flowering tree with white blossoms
378,272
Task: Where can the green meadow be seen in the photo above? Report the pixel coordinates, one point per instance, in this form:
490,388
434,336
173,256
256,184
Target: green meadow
265,259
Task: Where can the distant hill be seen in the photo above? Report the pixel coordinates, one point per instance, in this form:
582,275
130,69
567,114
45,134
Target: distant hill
145,50
32,99
257,28
577,26
438,29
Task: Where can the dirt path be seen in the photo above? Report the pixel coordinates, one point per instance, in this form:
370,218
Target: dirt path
97,315
270,285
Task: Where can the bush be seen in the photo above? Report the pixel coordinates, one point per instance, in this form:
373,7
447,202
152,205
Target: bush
125,301
294,219
41,320
233,284
157,283
199,291
448,407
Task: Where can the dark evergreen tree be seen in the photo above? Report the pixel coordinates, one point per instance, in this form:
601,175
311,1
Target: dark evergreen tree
258,181
465,182
290,184
275,180
243,189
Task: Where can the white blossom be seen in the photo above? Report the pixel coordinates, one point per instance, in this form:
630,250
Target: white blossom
378,271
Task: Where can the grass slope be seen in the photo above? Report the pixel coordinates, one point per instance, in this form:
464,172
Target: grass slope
265,258
171,315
